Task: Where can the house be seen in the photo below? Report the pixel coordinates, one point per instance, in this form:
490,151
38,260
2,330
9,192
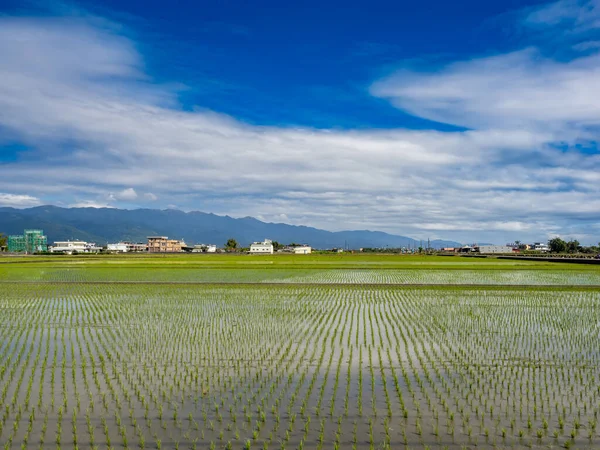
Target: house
262,248
121,247
126,247
204,248
162,244
538,246
70,247
139,247
487,249
302,250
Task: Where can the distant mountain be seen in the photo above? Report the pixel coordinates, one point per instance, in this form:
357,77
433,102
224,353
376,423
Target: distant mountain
102,225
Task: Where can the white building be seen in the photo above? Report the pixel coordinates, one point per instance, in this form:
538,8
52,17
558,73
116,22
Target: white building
495,249
121,247
139,247
71,247
302,250
204,248
541,247
264,248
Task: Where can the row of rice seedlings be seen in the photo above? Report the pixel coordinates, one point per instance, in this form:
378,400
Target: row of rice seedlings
82,273
532,275
516,277
293,367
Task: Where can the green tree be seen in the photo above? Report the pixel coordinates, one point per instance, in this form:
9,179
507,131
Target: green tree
231,244
573,246
557,245
3,240
277,245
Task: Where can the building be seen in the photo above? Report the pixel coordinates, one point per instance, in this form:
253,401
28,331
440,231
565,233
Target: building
138,247
518,246
162,244
120,247
264,248
487,249
126,247
71,247
204,248
538,246
32,241
302,250
16,244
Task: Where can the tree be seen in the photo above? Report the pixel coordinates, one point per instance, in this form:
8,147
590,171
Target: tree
557,245
3,240
277,245
573,246
231,244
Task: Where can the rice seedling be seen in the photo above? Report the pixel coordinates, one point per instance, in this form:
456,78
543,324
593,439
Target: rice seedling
375,366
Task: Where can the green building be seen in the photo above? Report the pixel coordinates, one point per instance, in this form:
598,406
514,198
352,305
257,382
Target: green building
32,241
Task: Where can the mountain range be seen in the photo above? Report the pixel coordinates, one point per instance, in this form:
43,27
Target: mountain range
103,225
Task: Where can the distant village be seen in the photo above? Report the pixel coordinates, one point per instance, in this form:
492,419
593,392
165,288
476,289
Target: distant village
34,241
491,249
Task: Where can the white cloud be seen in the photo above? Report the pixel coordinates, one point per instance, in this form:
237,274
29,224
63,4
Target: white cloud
18,200
71,80
128,194
89,204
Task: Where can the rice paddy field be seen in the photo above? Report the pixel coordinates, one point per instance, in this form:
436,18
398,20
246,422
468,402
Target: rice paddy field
293,352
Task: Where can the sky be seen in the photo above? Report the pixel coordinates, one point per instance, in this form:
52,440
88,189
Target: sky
473,121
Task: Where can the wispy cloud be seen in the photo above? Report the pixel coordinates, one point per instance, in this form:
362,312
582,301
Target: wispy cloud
580,15
516,90
105,134
587,45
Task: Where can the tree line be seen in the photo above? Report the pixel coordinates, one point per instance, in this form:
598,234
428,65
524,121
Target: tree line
558,245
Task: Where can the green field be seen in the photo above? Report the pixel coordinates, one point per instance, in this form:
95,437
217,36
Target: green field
311,269
325,351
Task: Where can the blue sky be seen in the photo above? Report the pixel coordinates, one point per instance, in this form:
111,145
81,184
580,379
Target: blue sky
476,121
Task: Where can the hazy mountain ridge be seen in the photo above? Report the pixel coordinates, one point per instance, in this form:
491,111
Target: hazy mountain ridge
102,225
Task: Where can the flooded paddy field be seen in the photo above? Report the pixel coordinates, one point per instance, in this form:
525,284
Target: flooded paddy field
270,365
309,269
